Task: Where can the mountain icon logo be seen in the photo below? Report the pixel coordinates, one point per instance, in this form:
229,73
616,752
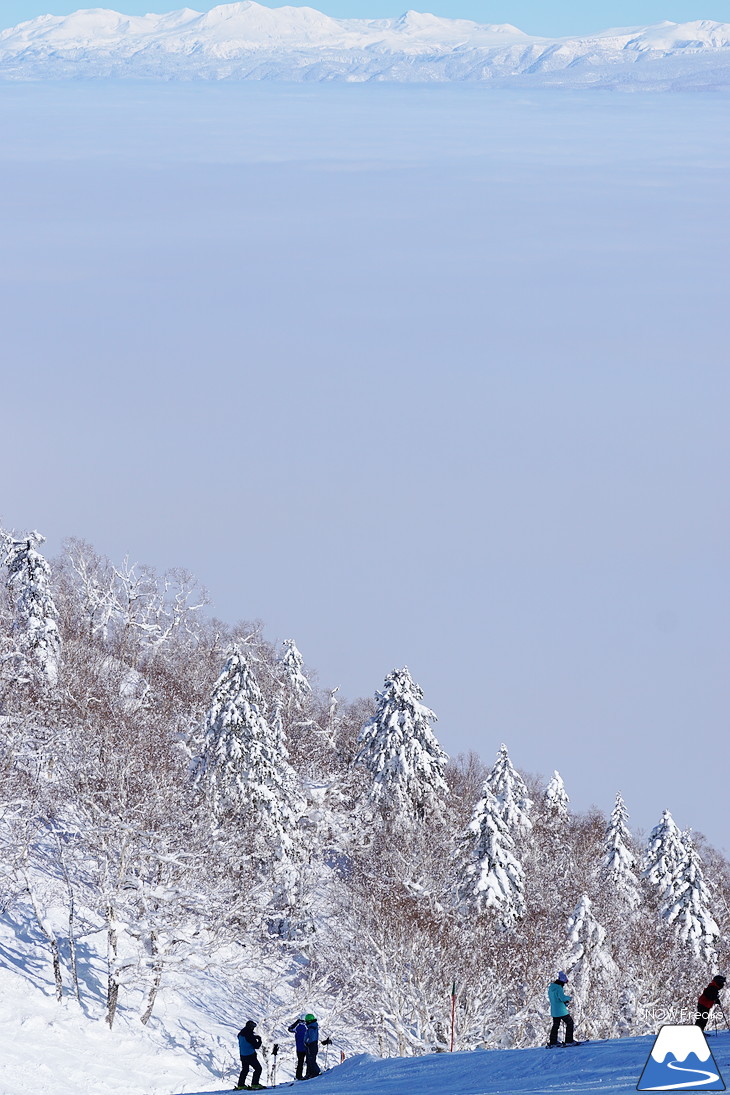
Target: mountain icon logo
680,1060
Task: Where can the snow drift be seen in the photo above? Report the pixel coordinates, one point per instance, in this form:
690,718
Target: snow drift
250,41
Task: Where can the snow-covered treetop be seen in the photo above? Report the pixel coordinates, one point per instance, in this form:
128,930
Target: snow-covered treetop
401,753
672,864
664,853
688,902
35,615
292,664
508,787
490,875
617,866
235,692
243,767
555,798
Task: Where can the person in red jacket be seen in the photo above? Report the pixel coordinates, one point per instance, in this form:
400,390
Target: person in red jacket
708,999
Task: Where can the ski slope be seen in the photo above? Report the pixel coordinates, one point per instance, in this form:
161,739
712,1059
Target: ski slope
189,1048
601,1068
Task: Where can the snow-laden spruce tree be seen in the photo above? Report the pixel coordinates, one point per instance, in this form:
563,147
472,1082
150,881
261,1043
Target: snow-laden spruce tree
592,970
292,667
508,787
35,617
664,853
490,875
399,750
555,798
687,904
618,863
243,767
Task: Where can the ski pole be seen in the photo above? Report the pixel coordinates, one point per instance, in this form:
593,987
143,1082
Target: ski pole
722,1009
453,1014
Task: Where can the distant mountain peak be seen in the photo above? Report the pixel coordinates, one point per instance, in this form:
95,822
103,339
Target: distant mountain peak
250,40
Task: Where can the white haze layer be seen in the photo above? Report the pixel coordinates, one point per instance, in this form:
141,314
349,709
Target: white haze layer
434,377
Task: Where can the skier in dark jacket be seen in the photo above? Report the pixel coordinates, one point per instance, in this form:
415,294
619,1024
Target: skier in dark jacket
311,1046
708,999
299,1030
248,1043
559,1011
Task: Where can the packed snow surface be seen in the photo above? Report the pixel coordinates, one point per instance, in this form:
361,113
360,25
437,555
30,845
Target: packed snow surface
251,41
609,1068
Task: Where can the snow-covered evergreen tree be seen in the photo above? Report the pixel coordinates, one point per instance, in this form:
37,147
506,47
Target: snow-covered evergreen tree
664,853
491,876
508,787
617,867
673,865
555,798
292,665
103,840
243,768
687,904
400,752
35,625
590,965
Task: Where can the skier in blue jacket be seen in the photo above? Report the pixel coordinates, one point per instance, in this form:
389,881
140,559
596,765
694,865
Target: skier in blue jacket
311,1046
299,1030
559,1010
248,1043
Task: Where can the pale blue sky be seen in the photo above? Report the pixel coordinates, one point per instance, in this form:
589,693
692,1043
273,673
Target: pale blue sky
424,376
533,16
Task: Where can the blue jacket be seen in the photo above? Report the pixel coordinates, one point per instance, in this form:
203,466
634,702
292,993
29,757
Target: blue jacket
299,1029
558,999
248,1042
312,1034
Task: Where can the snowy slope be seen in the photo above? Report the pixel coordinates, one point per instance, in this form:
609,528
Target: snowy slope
56,1048
606,1068
190,1045
250,41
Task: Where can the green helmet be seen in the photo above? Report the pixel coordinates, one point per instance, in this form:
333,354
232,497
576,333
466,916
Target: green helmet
310,1018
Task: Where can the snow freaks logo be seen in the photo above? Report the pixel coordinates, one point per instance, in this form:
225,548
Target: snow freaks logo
680,1060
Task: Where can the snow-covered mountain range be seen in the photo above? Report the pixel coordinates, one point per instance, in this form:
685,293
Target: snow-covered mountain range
250,41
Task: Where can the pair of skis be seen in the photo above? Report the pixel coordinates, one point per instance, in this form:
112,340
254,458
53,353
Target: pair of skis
278,1087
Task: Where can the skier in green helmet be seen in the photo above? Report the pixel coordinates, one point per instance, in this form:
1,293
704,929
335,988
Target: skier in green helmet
311,1046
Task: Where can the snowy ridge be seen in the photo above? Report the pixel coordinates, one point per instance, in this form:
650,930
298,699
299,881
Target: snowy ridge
248,40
